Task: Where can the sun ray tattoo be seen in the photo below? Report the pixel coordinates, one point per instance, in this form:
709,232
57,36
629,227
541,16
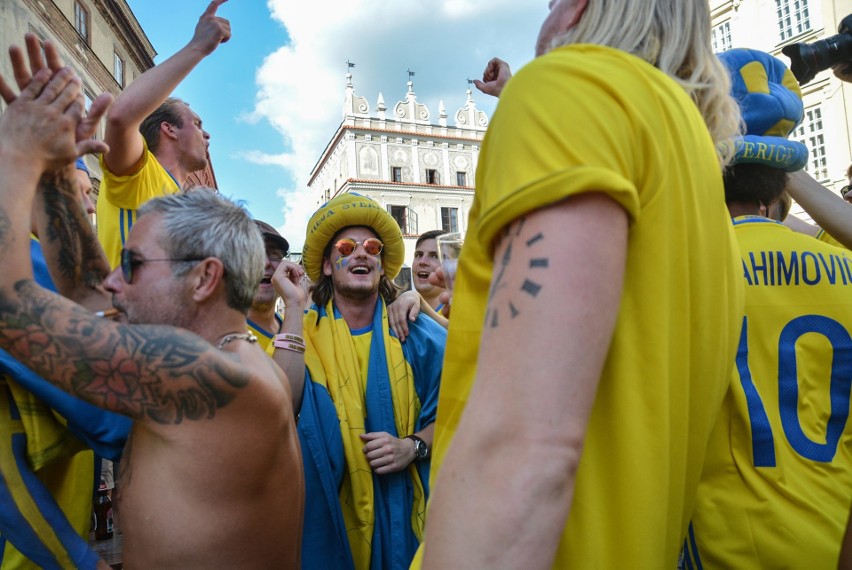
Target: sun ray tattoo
515,247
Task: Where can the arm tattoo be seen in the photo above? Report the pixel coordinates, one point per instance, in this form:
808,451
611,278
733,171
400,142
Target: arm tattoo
75,252
156,373
510,290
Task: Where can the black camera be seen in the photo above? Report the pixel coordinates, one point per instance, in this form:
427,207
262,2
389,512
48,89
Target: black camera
809,59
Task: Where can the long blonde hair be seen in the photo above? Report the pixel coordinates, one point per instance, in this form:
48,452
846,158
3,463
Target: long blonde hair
674,36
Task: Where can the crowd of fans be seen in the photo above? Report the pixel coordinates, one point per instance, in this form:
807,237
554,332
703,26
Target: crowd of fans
644,360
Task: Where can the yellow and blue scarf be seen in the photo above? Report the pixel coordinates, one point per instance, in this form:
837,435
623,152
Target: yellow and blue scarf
387,400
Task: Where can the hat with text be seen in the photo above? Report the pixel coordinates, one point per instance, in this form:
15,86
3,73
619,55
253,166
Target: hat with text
345,211
771,104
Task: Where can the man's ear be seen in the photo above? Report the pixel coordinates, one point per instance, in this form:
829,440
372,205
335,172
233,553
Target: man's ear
168,130
326,267
574,14
207,276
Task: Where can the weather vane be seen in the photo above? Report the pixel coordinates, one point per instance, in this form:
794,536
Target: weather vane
410,74
349,64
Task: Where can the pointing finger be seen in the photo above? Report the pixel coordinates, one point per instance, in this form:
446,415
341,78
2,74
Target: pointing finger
214,5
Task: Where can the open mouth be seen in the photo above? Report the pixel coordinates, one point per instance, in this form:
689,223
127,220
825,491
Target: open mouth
424,275
359,270
266,281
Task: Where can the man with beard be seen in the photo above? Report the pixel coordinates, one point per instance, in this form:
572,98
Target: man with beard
213,441
368,408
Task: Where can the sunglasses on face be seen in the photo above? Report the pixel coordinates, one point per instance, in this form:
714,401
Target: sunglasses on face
347,246
129,263
845,190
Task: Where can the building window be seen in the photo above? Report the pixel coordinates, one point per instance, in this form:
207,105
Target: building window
450,219
812,134
88,98
793,18
396,174
81,21
721,37
398,214
405,217
118,69
461,178
432,176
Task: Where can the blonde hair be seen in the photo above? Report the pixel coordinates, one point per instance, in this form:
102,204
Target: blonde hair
674,36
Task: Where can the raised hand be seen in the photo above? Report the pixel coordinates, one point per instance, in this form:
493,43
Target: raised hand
287,281
211,30
23,73
41,121
494,78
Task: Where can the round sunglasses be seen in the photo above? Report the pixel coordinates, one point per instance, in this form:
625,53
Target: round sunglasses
347,246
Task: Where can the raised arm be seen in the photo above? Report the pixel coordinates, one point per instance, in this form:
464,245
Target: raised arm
287,281
497,73
160,375
831,212
565,328
74,257
149,90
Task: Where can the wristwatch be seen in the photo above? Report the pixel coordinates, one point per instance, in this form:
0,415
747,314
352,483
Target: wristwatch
421,450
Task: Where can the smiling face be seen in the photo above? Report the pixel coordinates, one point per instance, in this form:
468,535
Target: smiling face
357,275
425,262
266,295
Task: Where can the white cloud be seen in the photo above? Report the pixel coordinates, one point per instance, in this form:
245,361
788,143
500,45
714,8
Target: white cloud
301,85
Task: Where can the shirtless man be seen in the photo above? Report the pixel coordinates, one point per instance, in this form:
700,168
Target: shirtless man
213,446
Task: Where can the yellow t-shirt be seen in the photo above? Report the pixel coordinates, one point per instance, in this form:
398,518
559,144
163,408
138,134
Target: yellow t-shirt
120,196
777,485
588,118
265,337
825,237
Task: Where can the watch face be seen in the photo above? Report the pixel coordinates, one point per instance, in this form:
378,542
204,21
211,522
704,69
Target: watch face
420,449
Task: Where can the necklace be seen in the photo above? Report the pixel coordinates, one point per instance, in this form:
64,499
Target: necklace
247,336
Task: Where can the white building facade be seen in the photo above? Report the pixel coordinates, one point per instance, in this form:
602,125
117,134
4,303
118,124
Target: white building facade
422,171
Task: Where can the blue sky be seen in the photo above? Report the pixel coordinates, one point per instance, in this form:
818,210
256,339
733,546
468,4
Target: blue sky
272,96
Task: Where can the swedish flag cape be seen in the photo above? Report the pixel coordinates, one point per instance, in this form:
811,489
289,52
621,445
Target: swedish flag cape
354,518
46,474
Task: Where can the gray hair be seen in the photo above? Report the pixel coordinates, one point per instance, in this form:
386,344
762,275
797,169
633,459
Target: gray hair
674,36
202,223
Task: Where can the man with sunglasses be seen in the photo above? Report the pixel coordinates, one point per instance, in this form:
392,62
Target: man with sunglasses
263,320
368,407
213,439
